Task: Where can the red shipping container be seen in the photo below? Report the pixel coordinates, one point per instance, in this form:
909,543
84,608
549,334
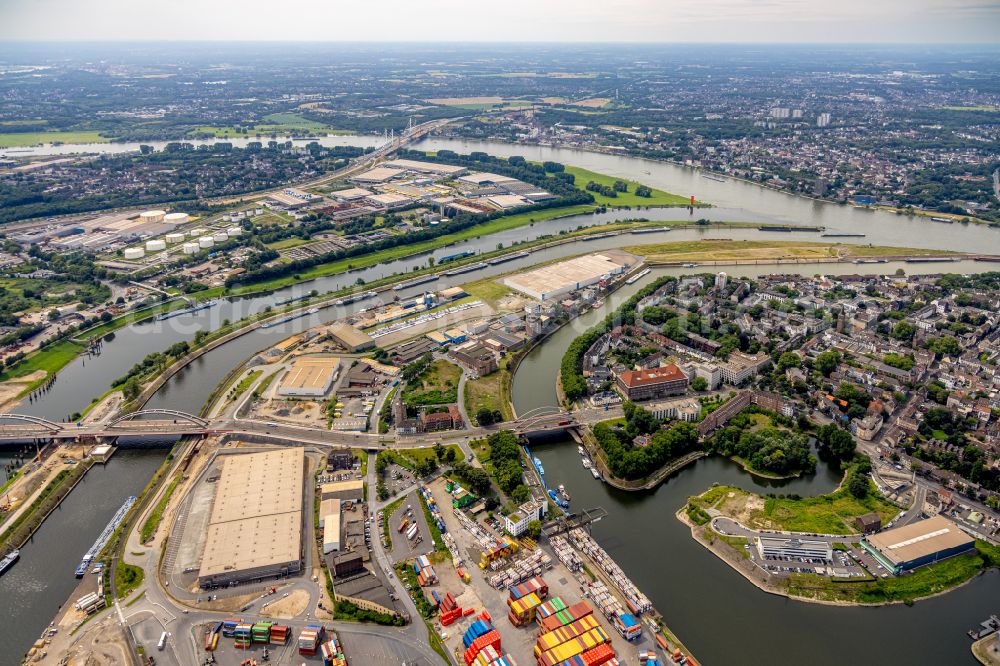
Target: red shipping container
598,655
490,638
576,611
486,616
468,612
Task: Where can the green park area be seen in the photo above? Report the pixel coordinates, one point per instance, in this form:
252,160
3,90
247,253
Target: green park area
26,139
625,198
436,385
274,124
833,513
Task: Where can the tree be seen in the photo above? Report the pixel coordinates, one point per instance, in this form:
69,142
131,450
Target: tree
858,485
450,455
699,384
438,451
827,362
904,330
105,316
131,389
521,494
788,360
381,491
945,346
535,529
484,416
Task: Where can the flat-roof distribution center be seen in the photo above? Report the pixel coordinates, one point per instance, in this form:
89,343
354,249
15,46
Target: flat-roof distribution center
255,530
566,276
310,376
917,544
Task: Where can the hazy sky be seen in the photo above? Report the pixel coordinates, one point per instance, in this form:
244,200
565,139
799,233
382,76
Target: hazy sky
918,21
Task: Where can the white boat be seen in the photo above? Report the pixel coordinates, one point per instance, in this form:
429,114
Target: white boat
580,450
586,463
593,470
8,561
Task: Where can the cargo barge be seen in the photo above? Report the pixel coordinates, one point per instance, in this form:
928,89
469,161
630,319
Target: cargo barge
638,276
415,282
784,228
942,220
841,235
455,257
183,311
105,536
9,559
647,230
291,317
510,257
354,298
715,178
466,269
930,260
599,236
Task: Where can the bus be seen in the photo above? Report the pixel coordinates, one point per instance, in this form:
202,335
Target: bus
163,641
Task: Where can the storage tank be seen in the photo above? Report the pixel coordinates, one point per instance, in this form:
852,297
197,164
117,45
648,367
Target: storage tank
155,245
194,233
234,231
205,242
176,218
220,237
153,215
134,253
174,238
191,248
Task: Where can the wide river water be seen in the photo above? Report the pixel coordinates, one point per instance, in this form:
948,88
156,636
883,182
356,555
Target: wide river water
722,618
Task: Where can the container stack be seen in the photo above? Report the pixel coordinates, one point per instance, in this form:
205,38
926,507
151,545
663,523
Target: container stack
475,529
332,652
596,642
279,634
522,611
527,567
565,553
90,603
602,655
536,585
576,612
310,639
490,638
425,572
434,509
450,610
229,626
261,632
502,548
547,641
636,600
550,607
243,635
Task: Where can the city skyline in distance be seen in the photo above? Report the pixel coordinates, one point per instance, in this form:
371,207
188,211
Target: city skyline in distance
668,21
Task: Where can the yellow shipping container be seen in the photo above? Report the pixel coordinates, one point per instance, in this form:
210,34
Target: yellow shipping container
549,640
525,606
579,645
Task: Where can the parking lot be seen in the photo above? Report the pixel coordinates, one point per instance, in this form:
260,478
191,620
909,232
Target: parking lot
403,548
399,479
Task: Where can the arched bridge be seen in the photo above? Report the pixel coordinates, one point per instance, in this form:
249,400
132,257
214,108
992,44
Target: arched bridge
17,427
173,413
542,420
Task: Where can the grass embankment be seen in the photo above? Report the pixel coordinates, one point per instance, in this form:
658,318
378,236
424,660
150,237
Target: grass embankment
824,514
153,521
20,529
657,198
488,290
437,385
25,139
487,393
127,578
722,250
922,582
244,384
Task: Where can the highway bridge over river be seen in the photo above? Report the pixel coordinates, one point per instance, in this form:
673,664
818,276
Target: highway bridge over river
153,423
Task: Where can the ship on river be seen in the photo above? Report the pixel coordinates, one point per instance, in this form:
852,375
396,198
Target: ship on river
8,561
105,536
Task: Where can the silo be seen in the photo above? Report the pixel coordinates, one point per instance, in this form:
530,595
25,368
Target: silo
234,231
205,242
175,238
153,215
134,253
220,236
194,233
191,248
155,245
176,218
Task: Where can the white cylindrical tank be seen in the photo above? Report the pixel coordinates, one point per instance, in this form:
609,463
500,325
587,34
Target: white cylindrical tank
155,245
174,238
227,217
191,248
153,215
205,242
194,233
134,253
220,237
234,231
176,218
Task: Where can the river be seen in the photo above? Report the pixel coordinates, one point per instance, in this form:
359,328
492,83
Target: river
700,596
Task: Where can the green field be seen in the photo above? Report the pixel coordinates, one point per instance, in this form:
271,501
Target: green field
51,359
418,455
978,107
286,243
486,392
659,197
490,290
25,139
824,514
437,385
276,123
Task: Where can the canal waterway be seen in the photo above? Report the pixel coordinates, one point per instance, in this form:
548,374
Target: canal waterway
721,617
33,590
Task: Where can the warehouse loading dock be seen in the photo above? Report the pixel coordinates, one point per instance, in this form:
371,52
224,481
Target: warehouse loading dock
309,376
566,277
